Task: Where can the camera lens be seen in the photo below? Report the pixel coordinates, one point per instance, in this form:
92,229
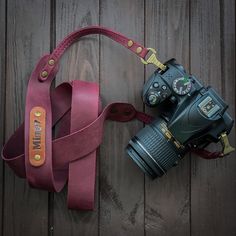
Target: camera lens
152,151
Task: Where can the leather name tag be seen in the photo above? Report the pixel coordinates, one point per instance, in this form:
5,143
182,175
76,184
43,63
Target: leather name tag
37,136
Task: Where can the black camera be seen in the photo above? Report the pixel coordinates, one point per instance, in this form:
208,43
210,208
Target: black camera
190,116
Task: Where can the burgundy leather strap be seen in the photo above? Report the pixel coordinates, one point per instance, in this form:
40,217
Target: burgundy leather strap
84,110
75,106
205,154
135,47
73,151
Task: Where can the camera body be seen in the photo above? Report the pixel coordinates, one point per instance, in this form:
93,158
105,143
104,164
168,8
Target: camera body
190,115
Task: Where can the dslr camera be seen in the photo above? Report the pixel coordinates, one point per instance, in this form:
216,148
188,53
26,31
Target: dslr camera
190,116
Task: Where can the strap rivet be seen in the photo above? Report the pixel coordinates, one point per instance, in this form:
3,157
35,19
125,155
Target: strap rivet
37,157
51,62
130,43
44,74
139,49
37,113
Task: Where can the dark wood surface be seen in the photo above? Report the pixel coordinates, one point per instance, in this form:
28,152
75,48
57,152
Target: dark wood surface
25,210
3,93
213,60
196,198
121,184
167,208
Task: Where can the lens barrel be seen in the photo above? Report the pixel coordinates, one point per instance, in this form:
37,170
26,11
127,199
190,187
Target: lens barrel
152,151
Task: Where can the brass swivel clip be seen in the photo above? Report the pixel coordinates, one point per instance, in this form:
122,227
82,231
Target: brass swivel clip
227,148
153,60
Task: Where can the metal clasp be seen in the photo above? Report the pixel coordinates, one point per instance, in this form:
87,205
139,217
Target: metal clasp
227,148
153,60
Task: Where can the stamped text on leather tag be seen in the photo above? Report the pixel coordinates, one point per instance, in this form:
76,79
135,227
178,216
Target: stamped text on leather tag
37,136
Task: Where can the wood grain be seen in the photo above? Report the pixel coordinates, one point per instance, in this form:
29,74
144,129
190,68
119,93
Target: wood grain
213,190
2,93
121,182
167,206
81,61
195,198
28,37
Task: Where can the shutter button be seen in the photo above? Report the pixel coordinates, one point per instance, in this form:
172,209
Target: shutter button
155,85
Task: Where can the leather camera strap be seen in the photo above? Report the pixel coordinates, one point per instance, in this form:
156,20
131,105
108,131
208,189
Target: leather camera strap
48,164
75,106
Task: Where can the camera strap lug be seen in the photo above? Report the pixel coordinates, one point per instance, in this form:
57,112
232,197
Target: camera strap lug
153,60
227,148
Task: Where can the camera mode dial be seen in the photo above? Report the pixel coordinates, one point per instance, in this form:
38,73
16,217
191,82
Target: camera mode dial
182,85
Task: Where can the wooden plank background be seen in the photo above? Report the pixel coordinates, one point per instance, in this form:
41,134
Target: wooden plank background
196,198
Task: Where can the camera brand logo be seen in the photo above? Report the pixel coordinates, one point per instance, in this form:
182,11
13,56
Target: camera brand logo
37,134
